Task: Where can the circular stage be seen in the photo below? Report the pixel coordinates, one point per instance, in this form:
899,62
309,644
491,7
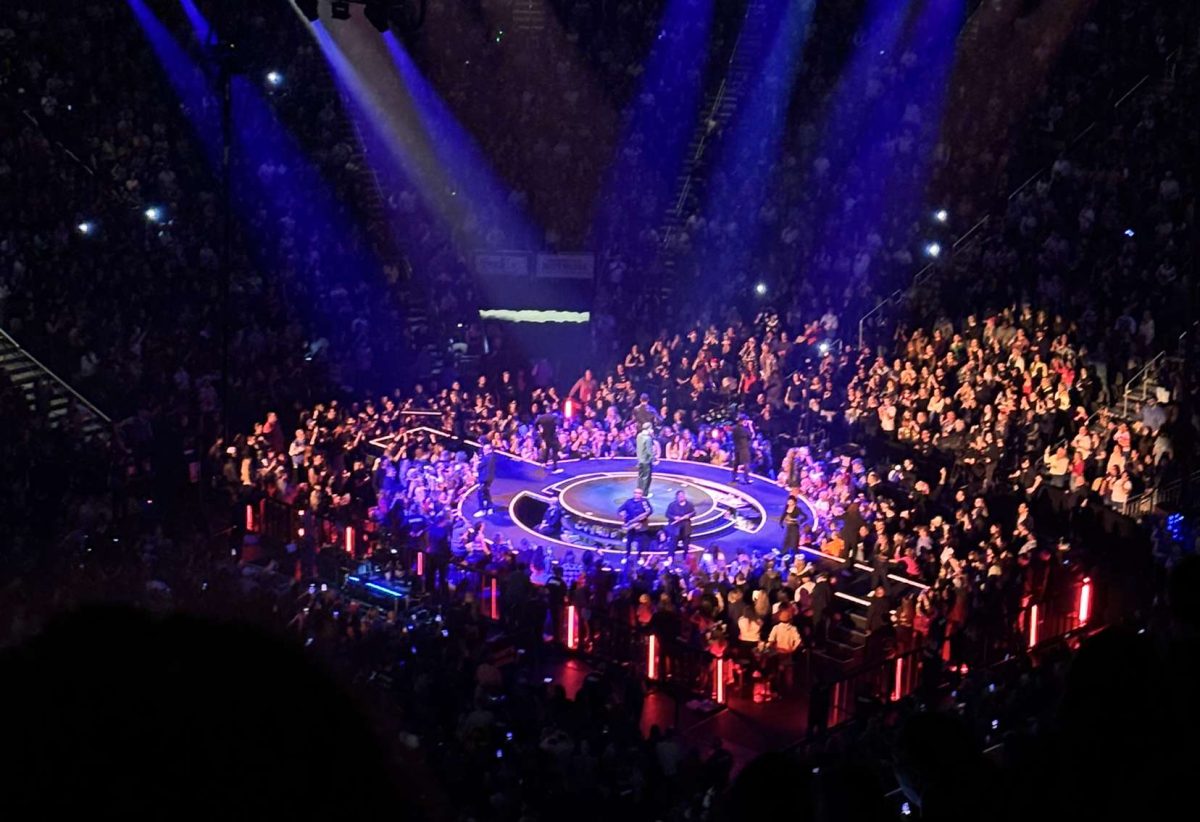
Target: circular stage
740,518
597,497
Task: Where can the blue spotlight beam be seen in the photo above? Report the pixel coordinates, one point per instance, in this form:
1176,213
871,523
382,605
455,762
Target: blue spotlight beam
188,80
272,181
753,145
398,154
461,159
935,37
662,116
200,27
887,160
850,107
389,131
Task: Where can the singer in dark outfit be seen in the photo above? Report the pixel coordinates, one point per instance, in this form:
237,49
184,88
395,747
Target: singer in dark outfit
790,520
741,448
636,512
486,476
548,429
679,523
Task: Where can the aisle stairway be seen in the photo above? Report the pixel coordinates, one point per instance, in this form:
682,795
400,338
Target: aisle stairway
529,16
48,395
720,105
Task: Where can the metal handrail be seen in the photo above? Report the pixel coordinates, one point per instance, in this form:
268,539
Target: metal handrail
719,98
1142,373
1169,62
917,279
55,377
1149,498
1140,376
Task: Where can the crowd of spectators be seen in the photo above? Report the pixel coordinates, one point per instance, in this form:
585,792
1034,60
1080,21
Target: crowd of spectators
985,421
954,489
834,240
462,735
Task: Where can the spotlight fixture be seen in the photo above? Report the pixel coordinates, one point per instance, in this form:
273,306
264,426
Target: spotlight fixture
85,228
274,78
760,289
310,9
340,9
379,15
1129,232
934,250
153,214
941,215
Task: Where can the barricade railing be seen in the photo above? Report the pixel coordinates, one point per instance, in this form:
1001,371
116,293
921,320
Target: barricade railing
838,700
672,661
888,680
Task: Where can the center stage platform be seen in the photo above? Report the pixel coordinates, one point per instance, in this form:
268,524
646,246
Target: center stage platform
734,518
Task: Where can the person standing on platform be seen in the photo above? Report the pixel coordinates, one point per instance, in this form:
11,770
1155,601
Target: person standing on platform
647,455
879,624
643,413
438,554
790,520
822,602
547,424
636,512
679,523
742,436
486,475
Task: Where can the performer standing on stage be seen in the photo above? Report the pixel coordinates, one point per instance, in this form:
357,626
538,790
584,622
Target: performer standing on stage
636,512
741,447
679,523
643,412
485,475
790,520
547,424
647,455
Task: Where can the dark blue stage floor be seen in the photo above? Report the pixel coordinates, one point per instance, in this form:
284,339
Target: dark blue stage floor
733,518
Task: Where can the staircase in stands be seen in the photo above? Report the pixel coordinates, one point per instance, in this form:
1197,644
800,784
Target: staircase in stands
529,16
47,394
1156,380
720,105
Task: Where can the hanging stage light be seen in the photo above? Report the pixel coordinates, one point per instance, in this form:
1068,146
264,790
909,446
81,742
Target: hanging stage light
404,17
310,9
379,15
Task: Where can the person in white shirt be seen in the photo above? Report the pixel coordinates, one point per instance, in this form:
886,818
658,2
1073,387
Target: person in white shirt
887,416
297,450
1058,464
784,639
749,627
1121,489
784,636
